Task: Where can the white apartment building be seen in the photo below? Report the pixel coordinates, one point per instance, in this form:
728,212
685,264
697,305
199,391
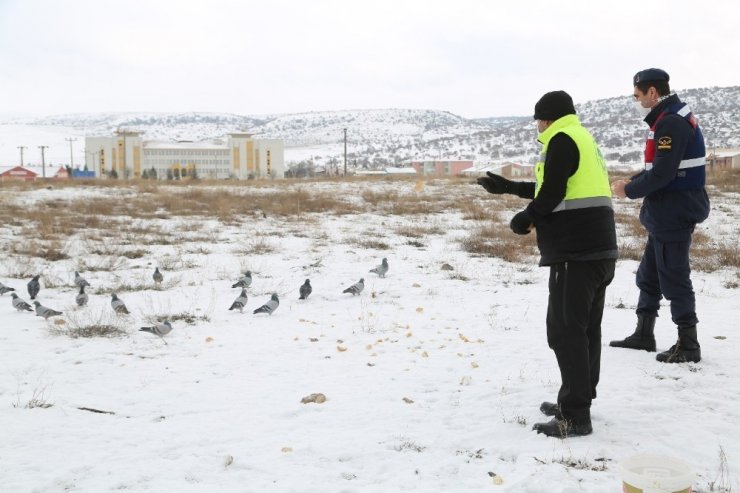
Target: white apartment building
240,157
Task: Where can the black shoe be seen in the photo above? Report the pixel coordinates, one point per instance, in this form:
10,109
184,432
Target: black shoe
643,337
678,355
685,350
551,409
632,342
563,428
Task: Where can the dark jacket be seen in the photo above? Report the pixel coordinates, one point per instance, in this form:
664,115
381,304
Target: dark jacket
670,215
569,235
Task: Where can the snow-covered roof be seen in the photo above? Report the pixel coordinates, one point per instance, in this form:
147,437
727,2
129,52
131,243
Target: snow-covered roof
400,171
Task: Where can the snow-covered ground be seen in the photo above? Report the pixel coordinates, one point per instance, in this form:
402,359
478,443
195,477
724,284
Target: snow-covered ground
433,378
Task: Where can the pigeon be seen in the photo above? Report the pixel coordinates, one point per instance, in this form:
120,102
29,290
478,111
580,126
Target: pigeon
43,311
20,305
305,290
5,289
244,282
118,305
160,330
356,288
157,276
80,281
270,306
81,298
381,269
34,287
240,302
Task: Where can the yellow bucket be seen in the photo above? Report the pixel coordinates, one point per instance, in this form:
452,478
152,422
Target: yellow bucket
656,474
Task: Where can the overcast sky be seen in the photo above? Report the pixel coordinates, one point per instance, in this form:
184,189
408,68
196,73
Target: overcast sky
473,58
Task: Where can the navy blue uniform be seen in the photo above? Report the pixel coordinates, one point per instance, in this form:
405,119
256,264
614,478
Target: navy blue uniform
675,200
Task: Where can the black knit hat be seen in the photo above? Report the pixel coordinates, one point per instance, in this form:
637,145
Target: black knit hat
650,74
554,105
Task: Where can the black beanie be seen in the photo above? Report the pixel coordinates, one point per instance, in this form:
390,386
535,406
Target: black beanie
554,105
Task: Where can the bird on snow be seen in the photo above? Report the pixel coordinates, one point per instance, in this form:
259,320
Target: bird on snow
80,281
44,311
160,330
244,282
270,306
381,269
118,305
34,287
356,288
81,298
20,305
305,290
5,289
240,302
157,276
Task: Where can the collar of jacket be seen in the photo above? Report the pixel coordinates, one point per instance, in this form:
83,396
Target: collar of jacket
655,112
557,126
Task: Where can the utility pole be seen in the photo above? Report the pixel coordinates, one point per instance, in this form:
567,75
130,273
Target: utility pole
345,152
43,162
21,148
71,158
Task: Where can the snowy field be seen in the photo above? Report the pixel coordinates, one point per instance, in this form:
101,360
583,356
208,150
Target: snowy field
432,377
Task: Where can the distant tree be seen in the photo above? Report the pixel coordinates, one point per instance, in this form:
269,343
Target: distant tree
169,174
176,173
113,174
184,172
193,174
144,175
153,173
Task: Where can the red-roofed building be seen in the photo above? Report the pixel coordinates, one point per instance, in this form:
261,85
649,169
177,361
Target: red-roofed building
16,173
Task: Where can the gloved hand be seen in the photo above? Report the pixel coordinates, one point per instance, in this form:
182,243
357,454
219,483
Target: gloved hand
521,223
496,184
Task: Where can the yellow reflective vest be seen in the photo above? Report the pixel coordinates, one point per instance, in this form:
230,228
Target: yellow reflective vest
589,185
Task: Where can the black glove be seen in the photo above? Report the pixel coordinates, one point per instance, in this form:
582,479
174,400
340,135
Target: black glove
521,223
496,184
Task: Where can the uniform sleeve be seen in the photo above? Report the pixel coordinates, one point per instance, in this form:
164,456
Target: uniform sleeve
561,162
672,135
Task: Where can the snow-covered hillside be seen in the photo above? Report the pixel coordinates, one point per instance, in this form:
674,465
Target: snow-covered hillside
374,137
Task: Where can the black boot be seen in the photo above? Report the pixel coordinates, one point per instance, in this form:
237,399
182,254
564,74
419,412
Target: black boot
551,409
686,349
564,428
643,338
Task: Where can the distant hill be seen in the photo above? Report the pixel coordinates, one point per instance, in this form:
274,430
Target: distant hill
379,137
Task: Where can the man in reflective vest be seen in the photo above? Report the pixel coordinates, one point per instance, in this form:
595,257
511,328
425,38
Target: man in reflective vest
571,211
674,201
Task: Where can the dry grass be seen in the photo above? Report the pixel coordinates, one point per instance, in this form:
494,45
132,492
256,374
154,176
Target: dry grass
132,217
497,240
88,324
724,180
630,249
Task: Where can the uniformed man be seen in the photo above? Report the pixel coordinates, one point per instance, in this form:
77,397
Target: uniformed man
674,201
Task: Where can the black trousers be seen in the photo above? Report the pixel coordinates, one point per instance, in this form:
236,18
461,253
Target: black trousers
574,312
664,271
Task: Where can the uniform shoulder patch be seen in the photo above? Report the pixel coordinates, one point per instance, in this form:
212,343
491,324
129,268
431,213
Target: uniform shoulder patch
664,143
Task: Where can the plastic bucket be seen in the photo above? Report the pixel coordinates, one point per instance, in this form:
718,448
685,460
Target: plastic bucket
656,474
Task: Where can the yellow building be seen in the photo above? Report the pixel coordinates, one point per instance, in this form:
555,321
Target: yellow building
130,156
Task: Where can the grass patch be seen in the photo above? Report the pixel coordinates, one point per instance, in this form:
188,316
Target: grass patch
88,324
498,241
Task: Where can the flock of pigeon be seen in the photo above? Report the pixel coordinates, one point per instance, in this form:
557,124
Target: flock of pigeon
164,328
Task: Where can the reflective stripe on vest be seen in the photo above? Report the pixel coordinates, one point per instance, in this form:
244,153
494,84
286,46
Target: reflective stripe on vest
589,185
684,111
